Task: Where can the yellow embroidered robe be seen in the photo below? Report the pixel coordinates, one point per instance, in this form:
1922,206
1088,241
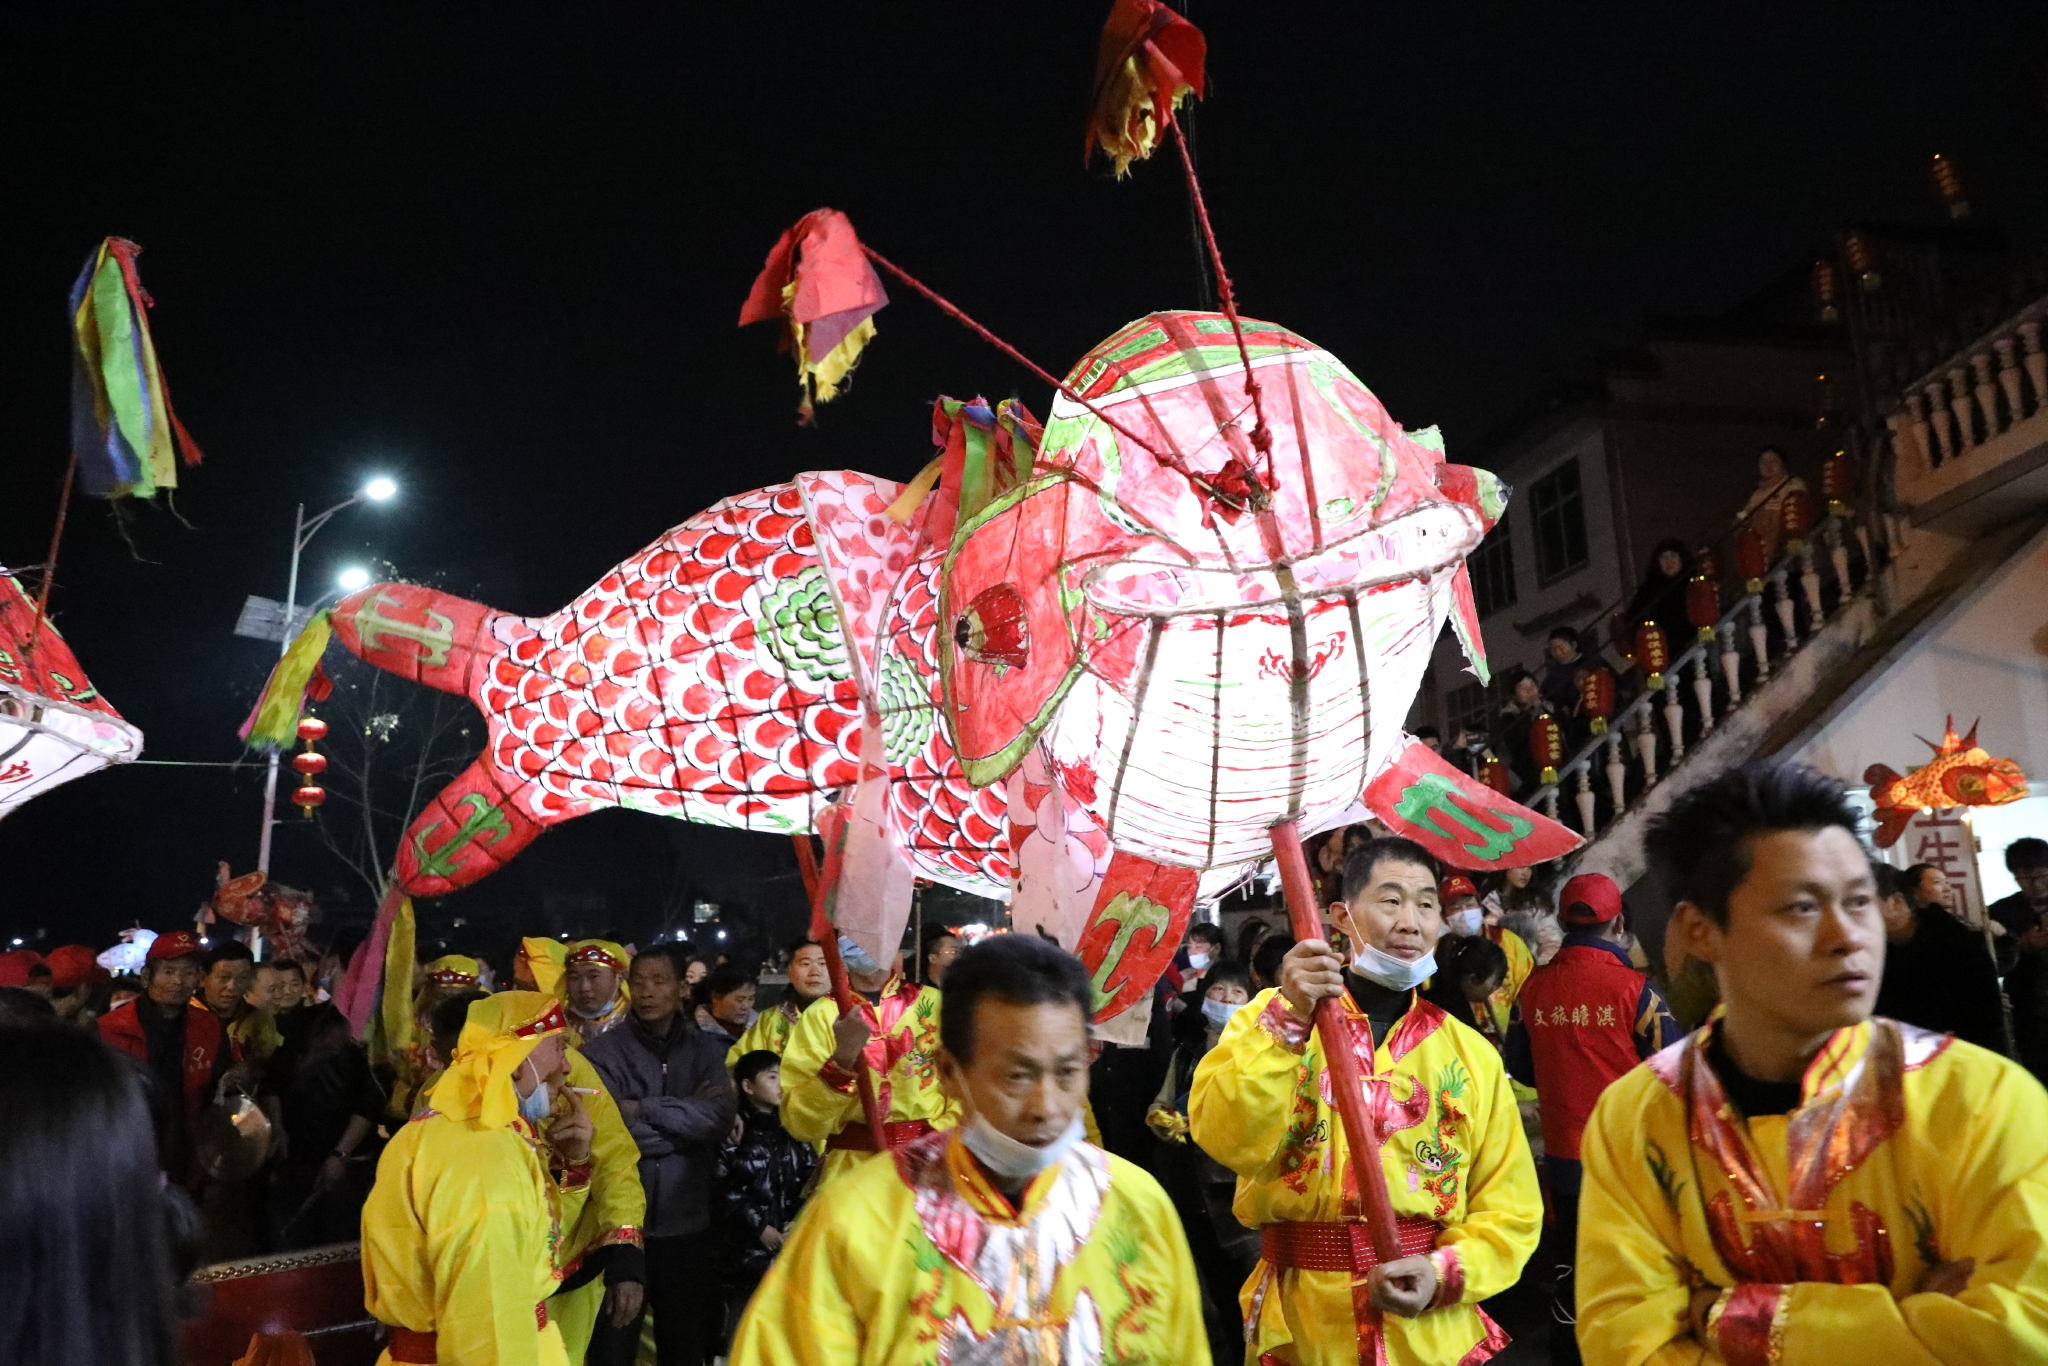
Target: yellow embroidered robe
1452,1148
916,1260
616,1211
459,1239
1907,1149
770,1030
818,1100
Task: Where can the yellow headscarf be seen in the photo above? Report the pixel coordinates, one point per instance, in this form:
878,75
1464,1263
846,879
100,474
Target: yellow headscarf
604,953
545,959
501,1032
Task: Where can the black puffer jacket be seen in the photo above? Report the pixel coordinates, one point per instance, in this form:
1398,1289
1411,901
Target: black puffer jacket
761,1181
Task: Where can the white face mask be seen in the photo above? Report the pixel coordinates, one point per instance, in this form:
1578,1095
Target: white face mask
1395,974
1198,961
536,1104
1014,1161
1464,922
1218,1013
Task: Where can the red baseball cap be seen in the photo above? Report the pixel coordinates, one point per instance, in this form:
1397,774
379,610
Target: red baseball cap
1456,885
1589,899
72,966
180,944
15,965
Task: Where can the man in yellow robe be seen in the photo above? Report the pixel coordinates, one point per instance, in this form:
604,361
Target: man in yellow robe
605,1248
1463,1187
1797,1181
1007,1239
894,1034
771,1030
593,987
461,1230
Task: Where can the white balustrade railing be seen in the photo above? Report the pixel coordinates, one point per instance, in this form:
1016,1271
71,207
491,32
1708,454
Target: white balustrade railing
1634,730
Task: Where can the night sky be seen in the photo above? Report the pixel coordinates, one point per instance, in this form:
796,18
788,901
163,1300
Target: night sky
497,252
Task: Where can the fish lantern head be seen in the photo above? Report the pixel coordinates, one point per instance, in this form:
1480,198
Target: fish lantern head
1158,593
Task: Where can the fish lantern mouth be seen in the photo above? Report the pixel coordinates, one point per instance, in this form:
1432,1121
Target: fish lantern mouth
1431,539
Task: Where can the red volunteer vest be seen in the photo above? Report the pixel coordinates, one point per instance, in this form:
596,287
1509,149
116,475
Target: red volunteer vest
1579,1011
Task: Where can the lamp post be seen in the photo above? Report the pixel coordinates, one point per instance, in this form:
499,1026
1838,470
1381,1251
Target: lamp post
304,529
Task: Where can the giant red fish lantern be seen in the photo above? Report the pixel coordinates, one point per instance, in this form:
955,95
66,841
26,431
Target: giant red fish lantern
1103,657
1093,667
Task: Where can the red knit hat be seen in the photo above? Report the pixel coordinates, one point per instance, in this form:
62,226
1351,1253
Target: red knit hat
1589,899
72,966
179,944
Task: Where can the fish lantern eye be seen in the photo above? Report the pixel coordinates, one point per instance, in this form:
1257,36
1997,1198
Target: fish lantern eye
992,629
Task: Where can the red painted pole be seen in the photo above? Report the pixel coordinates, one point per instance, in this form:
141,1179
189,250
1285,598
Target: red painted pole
842,992
1361,1135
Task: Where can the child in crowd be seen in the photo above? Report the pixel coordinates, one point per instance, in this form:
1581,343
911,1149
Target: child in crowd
762,1178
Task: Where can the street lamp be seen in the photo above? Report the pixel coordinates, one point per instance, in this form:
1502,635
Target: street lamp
377,490
352,578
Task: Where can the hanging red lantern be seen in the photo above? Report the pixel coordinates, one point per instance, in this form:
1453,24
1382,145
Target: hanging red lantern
1621,637
1653,652
310,764
1824,290
1835,483
1546,747
1494,773
308,797
1863,260
1797,519
1707,560
312,730
1703,605
1750,561
1596,698
1949,186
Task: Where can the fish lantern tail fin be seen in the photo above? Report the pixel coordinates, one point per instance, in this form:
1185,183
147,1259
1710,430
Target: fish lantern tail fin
421,634
1891,823
1148,60
1458,818
470,830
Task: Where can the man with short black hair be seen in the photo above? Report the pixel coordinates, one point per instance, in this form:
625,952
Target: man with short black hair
2023,950
1938,972
808,980
1798,1181
729,996
1010,1238
892,1033
669,1081
1455,1159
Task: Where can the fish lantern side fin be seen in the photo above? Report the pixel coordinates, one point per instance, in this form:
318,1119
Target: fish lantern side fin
1457,818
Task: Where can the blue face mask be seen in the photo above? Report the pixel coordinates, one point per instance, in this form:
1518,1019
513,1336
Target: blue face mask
1218,1013
536,1105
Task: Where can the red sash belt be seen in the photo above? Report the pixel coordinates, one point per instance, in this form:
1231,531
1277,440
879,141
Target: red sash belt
423,1349
856,1138
1344,1246
415,1349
